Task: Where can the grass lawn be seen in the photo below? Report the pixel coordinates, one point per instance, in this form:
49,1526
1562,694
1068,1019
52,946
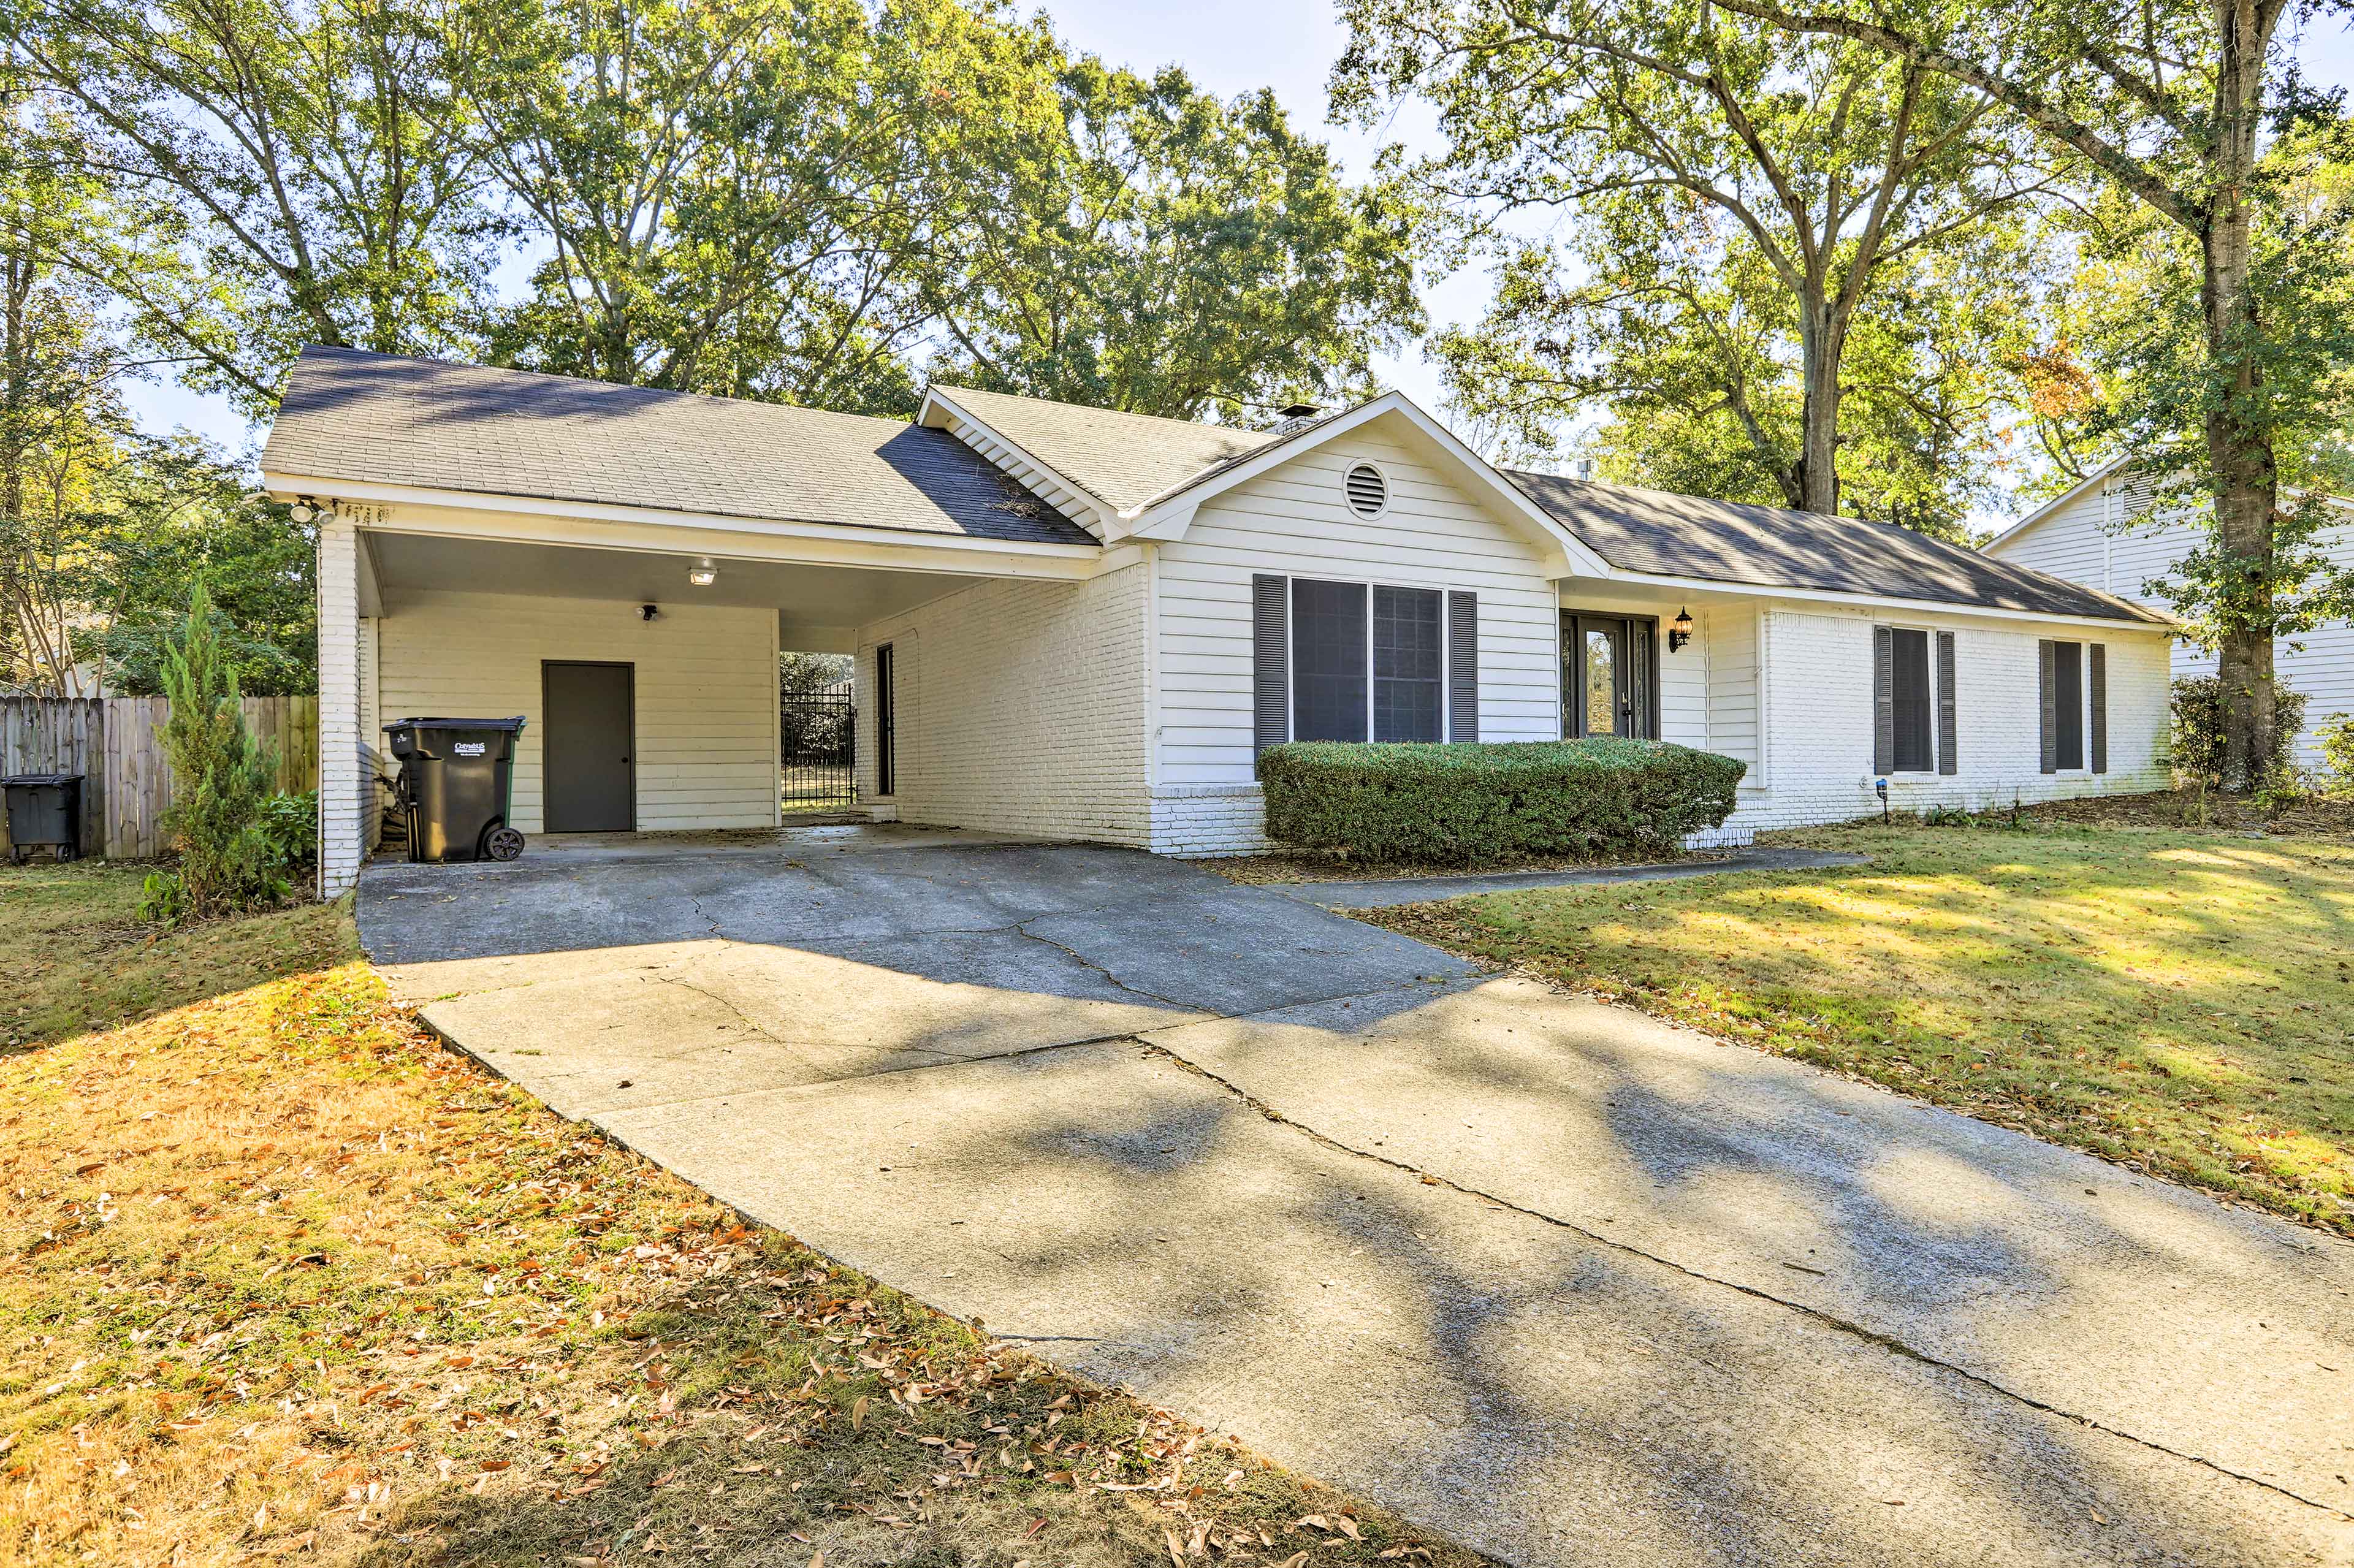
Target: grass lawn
2181,1002
282,1281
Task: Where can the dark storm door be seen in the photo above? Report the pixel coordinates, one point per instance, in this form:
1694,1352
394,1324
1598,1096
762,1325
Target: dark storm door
1609,675
585,748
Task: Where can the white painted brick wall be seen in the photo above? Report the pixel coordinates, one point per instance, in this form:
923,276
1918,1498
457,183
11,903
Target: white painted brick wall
705,750
1019,709
342,789
1819,738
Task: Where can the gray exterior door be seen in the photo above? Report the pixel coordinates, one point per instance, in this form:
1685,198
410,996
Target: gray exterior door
585,748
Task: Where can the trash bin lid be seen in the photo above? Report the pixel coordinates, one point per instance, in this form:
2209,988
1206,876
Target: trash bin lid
36,780
512,725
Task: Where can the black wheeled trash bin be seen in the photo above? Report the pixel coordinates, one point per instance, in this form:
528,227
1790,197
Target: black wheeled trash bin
457,784
44,812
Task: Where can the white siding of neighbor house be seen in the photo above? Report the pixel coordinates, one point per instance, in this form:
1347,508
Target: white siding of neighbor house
2088,542
1293,520
1020,708
705,748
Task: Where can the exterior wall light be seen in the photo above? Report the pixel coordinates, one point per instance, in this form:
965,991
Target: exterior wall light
304,509
703,574
1680,632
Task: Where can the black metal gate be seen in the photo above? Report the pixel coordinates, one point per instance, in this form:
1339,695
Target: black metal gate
817,735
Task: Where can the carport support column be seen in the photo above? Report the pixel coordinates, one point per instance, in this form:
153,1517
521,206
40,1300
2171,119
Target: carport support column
342,761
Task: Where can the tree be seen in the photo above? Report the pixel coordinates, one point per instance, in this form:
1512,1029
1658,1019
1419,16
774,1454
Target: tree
1163,252
178,519
1742,194
741,200
221,776
285,171
62,427
1690,352
2169,101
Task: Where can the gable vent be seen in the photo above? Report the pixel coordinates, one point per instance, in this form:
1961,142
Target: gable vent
1367,491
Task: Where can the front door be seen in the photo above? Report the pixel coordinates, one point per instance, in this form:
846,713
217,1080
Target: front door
1607,675
587,739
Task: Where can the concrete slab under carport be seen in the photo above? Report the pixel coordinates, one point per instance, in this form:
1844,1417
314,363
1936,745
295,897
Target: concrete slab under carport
693,974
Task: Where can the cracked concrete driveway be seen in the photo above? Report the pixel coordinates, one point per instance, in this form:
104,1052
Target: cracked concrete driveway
1565,1283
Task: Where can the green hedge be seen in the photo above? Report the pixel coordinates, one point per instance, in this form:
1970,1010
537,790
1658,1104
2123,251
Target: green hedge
1461,804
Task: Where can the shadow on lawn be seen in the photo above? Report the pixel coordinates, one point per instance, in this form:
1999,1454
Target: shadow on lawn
79,958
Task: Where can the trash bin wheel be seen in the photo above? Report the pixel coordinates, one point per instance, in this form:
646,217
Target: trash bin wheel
503,842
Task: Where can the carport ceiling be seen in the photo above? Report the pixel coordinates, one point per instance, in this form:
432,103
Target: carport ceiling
816,601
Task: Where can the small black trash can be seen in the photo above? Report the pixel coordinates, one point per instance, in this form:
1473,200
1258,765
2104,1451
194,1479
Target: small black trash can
457,784
44,812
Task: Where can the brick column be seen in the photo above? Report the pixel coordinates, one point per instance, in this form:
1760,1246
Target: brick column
342,791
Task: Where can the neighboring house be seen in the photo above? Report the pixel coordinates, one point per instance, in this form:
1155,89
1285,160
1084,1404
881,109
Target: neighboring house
1086,625
2102,533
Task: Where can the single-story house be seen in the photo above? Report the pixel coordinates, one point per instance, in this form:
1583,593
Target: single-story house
2106,532
1084,624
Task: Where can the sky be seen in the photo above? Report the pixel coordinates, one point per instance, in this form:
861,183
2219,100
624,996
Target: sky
1229,46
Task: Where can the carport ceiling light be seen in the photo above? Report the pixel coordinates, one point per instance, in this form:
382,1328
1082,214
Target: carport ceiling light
703,574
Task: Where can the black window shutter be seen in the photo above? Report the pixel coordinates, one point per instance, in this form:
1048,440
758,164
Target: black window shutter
2045,654
1462,666
1949,757
2098,678
1883,700
1271,660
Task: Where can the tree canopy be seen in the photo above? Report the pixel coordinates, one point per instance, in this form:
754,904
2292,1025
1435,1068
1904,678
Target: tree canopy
1759,284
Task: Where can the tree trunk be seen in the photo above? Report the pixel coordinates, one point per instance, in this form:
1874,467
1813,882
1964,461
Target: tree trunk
2239,448
1820,346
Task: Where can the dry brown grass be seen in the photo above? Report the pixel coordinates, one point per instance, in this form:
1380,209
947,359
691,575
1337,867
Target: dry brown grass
282,1281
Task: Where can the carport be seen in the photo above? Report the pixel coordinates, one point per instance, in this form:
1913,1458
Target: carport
620,567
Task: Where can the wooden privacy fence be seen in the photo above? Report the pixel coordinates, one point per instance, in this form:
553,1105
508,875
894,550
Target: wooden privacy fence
116,744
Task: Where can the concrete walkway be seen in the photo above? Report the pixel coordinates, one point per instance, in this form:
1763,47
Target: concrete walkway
1381,892
1563,1283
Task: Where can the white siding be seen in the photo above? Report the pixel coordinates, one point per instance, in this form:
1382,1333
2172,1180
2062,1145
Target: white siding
2086,541
1020,707
1293,520
1728,646
706,684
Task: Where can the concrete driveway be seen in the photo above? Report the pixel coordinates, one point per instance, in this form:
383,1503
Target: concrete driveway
1563,1283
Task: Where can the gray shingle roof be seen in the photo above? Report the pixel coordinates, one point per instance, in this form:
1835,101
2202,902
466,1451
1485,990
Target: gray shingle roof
373,418
1658,532
1125,459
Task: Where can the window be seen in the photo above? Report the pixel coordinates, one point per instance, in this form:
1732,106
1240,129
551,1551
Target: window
2067,706
1327,660
1609,673
1409,665
1367,661
1908,648
886,720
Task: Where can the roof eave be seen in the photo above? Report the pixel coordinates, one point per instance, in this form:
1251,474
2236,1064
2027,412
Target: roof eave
2132,617
400,508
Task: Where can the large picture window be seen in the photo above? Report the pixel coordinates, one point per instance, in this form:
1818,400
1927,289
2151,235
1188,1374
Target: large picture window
1367,661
